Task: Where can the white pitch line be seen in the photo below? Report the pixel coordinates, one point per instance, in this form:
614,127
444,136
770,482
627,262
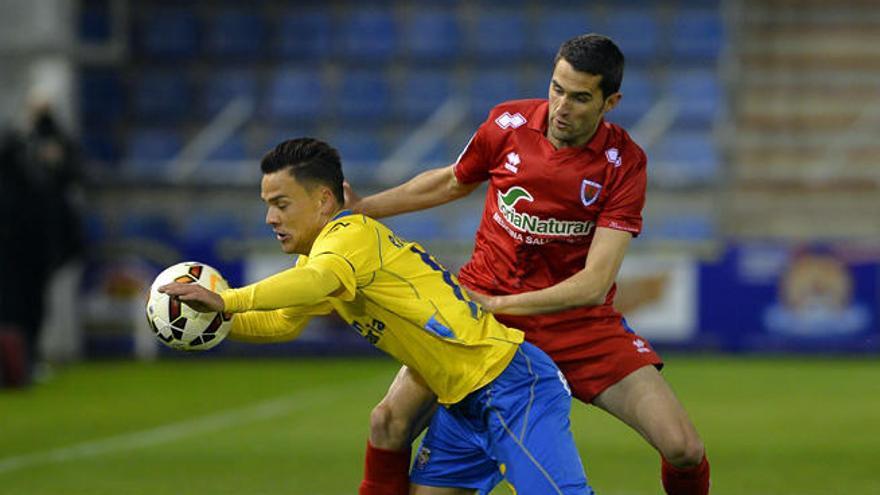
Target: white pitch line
168,433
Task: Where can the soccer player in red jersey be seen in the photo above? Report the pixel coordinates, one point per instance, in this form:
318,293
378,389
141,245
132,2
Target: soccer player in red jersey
566,190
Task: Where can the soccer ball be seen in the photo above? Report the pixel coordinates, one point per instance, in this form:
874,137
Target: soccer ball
177,325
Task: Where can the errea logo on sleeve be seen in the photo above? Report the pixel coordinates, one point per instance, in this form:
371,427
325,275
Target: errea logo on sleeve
506,120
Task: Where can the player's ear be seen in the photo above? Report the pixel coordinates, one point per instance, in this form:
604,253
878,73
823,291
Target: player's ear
612,102
327,201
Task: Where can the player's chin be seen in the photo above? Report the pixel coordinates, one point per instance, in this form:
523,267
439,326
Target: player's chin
560,134
287,246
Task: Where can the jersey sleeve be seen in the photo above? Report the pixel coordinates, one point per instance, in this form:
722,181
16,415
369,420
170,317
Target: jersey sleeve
474,162
623,209
275,326
350,251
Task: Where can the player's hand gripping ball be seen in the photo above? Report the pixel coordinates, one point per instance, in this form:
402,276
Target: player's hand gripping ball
179,326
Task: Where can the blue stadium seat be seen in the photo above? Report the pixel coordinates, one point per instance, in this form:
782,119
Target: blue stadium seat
698,95
94,21
101,96
685,158
203,235
222,87
304,35
162,96
363,97
419,226
95,227
152,226
237,34
491,87
274,136
637,33
699,4
684,227
500,36
295,95
639,95
554,27
361,152
421,92
100,145
696,37
464,228
368,36
233,148
169,33
432,36
210,225
153,144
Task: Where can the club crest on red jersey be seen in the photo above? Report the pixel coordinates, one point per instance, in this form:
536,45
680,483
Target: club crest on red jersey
613,157
590,192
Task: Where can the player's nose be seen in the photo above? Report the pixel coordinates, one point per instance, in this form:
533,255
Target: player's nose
271,218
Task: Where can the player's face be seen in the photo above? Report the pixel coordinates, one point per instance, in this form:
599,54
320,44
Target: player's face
576,105
295,213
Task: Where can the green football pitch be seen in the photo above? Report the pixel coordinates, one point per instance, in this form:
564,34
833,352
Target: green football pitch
298,426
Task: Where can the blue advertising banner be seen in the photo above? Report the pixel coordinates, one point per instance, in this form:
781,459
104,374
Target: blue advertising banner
803,298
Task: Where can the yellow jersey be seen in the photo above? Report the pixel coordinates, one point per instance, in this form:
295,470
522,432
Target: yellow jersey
395,294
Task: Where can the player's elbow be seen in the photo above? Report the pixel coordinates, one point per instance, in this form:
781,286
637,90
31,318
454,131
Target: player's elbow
594,297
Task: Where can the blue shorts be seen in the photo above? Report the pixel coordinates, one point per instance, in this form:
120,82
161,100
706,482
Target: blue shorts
515,429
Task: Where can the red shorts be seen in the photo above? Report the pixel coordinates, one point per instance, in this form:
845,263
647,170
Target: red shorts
601,355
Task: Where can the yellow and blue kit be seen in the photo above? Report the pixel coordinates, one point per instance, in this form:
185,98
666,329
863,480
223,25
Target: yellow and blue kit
503,395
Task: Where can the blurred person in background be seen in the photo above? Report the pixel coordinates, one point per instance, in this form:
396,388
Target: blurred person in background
566,191
39,222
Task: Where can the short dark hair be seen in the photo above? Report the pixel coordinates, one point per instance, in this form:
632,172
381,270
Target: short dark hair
309,161
594,54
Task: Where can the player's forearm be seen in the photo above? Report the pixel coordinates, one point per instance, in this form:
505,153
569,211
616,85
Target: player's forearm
300,286
581,289
428,189
267,326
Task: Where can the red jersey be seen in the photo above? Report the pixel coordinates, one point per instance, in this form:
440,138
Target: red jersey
542,208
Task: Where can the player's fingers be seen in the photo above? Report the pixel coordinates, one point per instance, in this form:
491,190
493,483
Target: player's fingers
174,289
178,289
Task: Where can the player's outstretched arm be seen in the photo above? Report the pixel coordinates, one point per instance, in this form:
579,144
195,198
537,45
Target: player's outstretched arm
281,325
426,190
299,286
588,287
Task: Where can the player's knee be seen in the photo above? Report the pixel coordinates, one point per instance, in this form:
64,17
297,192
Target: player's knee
683,450
388,430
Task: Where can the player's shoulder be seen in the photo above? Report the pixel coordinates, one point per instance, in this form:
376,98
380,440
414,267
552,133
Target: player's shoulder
513,114
348,224
619,142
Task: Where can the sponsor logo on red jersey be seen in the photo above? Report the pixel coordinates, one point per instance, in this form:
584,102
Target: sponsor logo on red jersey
532,224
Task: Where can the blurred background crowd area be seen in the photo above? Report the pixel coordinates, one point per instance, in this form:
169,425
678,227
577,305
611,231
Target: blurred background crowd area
759,119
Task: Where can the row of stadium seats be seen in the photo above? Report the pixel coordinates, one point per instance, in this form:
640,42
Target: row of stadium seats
298,95
373,34
680,159
208,233
361,78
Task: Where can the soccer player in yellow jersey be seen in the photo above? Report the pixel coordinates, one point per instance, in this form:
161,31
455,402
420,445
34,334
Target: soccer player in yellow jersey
504,405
